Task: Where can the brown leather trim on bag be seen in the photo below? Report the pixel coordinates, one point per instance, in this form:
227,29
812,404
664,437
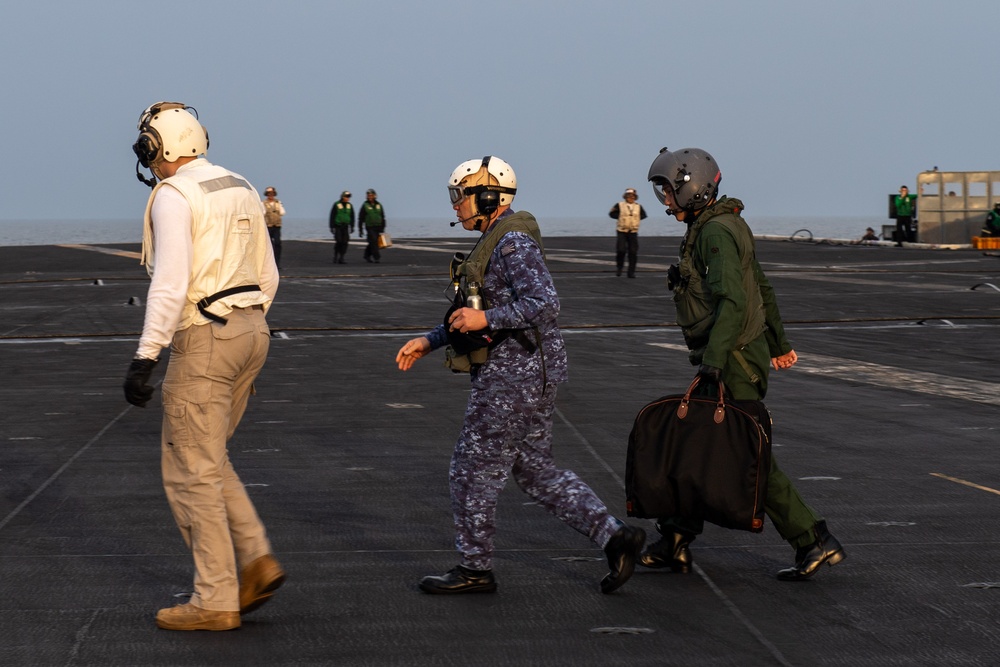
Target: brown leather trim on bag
720,407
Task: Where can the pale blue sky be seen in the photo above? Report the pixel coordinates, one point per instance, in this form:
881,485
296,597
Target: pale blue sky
811,108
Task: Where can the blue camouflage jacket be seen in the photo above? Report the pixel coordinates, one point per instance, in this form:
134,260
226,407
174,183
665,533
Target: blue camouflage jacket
519,293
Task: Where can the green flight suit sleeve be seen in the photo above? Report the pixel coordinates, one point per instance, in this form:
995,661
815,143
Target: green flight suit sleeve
722,273
777,344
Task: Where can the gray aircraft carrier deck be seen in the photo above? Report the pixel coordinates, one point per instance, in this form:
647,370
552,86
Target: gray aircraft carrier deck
888,425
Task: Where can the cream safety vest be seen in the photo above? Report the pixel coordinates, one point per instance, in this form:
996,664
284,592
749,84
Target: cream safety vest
273,210
628,216
226,213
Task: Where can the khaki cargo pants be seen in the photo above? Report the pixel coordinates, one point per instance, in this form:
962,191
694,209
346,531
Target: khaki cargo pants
208,382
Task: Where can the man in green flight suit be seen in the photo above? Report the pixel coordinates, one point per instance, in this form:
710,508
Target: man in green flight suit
728,313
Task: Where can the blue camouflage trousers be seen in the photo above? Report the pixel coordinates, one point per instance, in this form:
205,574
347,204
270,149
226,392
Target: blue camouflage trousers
506,431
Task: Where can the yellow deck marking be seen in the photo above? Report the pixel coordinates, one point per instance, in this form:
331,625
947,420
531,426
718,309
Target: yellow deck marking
106,251
962,481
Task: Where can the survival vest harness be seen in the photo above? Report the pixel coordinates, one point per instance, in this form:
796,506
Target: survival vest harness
469,351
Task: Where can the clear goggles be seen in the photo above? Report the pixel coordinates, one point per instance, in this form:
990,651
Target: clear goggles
456,193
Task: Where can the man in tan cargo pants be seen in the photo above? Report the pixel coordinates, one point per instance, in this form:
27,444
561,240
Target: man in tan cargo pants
206,247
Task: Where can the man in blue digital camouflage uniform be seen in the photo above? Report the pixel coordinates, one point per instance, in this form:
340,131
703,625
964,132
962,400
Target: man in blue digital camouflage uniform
728,313
517,359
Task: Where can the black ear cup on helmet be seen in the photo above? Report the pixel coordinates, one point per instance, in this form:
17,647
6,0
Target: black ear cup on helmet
487,202
146,147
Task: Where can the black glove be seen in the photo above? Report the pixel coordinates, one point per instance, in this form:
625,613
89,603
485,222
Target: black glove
137,389
710,373
673,277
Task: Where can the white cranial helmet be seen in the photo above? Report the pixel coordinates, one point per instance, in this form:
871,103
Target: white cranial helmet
479,177
168,131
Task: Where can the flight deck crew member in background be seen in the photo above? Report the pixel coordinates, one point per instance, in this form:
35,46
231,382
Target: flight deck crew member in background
992,226
205,245
508,420
628,214
273,212
727,311
372,217
342,225
904,215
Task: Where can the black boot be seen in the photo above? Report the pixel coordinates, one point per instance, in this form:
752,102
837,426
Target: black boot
622,551
670,551
460,580
826,549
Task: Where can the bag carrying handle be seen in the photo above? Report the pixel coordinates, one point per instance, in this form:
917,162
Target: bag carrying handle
720,406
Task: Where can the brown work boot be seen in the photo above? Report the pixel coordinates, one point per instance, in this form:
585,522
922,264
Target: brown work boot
258,582
189,617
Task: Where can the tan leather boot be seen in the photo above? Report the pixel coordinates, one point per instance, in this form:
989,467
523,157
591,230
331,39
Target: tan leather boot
258,582
189,617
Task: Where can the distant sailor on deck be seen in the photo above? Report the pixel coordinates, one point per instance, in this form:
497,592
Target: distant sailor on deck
629,214
992,226
905,205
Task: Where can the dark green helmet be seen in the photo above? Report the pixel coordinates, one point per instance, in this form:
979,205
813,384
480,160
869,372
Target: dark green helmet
692,175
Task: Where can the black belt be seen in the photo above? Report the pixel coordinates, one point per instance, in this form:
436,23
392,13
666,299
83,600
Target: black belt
209,300
517,334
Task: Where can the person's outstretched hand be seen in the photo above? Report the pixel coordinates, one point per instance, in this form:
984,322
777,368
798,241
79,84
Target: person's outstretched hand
412,350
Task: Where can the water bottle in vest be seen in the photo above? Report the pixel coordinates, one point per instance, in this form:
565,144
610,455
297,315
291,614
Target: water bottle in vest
472,299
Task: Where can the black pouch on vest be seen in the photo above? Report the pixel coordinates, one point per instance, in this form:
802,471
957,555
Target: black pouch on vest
700,458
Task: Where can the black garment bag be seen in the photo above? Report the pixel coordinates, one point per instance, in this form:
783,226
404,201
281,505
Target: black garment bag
700,457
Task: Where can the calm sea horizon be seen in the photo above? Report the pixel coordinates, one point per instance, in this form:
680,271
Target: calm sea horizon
54,232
